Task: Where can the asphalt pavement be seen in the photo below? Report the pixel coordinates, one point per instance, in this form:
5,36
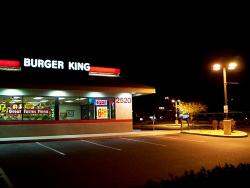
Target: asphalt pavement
116,162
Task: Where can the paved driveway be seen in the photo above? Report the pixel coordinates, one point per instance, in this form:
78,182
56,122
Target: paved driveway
120,162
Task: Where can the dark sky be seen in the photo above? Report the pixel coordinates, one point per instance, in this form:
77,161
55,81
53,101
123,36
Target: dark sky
169,47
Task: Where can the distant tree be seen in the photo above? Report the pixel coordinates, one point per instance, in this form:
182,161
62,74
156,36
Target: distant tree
191,108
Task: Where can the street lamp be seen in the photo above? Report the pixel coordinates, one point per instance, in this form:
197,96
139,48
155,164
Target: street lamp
176,115
230,66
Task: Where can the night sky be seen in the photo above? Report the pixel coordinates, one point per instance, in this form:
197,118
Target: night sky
168,47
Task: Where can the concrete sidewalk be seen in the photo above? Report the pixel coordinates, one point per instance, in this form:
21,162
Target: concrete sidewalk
135,133
171,126
217,133
196,129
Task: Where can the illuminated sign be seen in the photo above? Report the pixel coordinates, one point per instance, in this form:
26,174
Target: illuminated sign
36,111
15,65
55,64
102,112
14,111
99,102
104,71
10,65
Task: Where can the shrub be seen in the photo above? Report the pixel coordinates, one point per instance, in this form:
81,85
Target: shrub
229,175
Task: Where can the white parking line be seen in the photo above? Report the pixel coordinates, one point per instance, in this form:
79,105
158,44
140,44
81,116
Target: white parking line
144,142
61,153
101,145
181,139
6,179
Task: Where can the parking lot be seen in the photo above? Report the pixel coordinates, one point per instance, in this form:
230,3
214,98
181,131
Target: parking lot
117,162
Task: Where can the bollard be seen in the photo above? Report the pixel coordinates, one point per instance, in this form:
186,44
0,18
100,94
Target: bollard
215,124
227,125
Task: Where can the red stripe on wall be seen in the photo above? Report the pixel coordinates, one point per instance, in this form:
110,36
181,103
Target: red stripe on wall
104,70
62,121
10,63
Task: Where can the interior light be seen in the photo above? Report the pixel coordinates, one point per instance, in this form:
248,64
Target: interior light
44,101
17,100
80,99
69,101
124,95
33,102
38,98
11,92
58,93
95,94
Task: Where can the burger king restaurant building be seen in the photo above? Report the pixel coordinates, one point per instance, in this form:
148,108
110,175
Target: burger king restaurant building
41,97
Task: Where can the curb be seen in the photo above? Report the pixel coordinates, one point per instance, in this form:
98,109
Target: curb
227,136
75,137
159,127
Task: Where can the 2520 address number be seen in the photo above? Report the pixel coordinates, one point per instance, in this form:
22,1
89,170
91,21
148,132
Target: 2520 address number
123,100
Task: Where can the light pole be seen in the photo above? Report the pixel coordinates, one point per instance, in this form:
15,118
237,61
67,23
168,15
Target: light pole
225,92
217,67
176,112
227,124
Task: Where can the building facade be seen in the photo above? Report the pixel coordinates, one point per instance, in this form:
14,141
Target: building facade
56,97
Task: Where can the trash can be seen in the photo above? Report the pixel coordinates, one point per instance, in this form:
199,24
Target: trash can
215,124
227,127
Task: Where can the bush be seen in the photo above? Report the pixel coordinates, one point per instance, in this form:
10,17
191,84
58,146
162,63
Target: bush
233,125
229,175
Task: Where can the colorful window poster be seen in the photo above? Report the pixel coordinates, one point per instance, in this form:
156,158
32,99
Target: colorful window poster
102,112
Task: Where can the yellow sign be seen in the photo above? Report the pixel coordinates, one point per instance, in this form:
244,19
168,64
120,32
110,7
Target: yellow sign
3,108
101,112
